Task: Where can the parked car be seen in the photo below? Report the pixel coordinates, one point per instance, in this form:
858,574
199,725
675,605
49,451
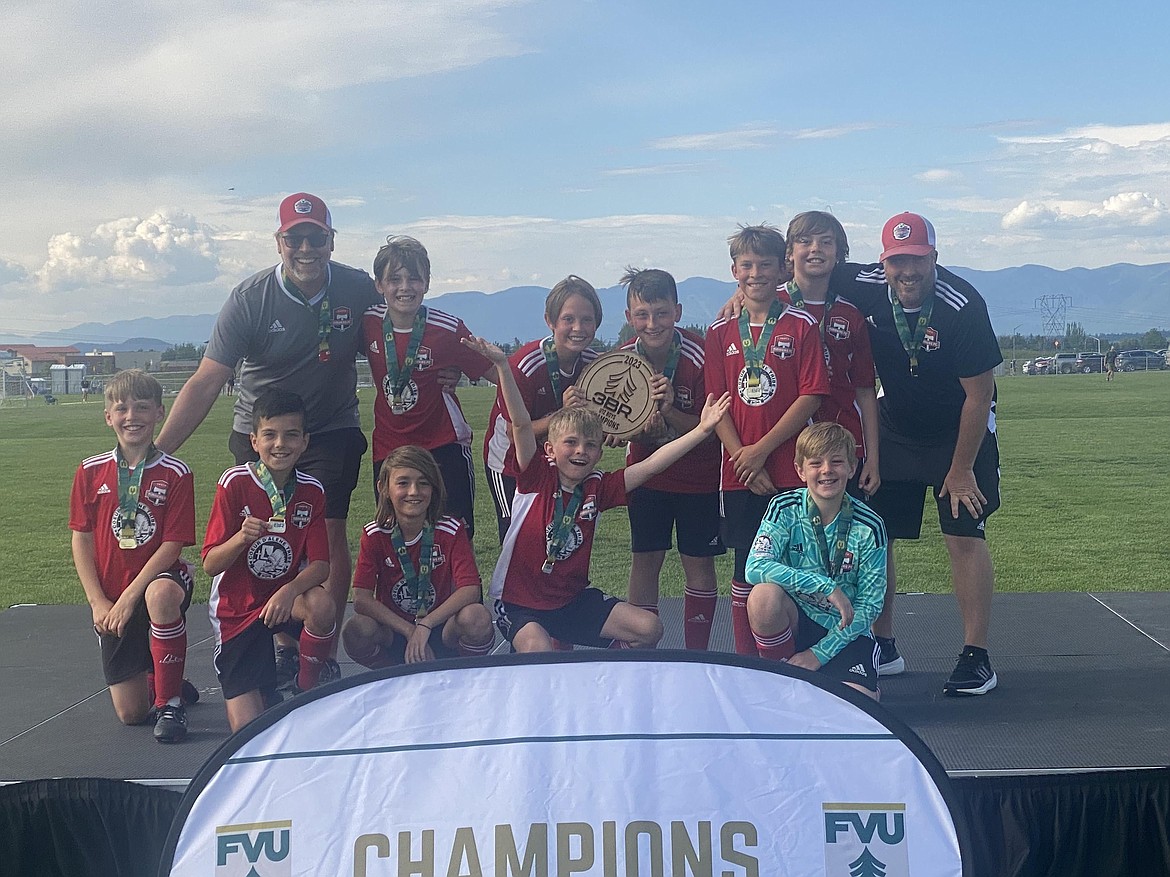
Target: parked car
1089,363
1139,360
1037,366
1063,363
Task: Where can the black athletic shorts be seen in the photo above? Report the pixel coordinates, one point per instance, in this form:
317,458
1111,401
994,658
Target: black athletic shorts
125,656
856,663
334,458
579,621
654,514
247,662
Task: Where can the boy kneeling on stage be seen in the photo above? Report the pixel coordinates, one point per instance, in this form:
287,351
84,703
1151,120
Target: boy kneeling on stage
541,582
818,567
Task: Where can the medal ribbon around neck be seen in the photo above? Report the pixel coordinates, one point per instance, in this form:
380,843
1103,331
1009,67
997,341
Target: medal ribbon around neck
753,352
399,378
912,342
279,497
129,486
671,358
324,315
562,523
417,583
553,363
834,562
797,299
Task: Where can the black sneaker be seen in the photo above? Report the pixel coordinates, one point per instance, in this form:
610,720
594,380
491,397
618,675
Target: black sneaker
330,672
189,693
171,725
288,664
890,663
973,674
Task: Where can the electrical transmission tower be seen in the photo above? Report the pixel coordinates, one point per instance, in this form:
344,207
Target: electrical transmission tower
1053,312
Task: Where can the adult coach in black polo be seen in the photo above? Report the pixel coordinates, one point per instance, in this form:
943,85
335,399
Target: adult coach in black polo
935,353
296,326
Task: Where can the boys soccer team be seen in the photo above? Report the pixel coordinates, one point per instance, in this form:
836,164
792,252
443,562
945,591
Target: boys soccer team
727,458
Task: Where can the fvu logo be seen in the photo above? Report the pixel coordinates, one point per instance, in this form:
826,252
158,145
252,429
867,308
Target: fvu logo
865,840
256,849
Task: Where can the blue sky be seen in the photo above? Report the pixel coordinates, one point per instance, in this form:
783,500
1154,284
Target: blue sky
146,147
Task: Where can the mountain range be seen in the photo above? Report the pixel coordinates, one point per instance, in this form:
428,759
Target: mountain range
1024,299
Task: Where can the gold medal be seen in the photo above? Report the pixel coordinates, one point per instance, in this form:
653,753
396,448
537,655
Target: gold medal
753,391
276,525
548,566
127,542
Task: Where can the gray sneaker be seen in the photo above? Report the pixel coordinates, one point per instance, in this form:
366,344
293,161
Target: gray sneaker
972,675
890,663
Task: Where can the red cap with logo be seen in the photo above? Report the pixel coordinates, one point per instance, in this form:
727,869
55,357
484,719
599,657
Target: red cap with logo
907,234
303,207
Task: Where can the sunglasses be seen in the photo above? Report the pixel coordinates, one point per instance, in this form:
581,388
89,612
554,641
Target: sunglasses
315,239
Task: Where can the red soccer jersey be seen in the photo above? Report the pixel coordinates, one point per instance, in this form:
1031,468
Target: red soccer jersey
794,365
698,471
518,577
166,513
429,417
850,362
378,569
531,373
240,592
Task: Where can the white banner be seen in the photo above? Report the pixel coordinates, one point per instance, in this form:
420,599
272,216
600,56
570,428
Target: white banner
606,764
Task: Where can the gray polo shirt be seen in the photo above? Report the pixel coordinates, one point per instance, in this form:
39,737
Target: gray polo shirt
275,333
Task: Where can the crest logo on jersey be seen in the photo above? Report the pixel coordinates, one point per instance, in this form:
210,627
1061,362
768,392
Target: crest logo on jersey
783,346
901,231
798,548
763,545
270,557
245,512
847,562
302,514
342,318
766,390
572,541
144,524
156,493
930,342
408,399
588,510
683,400
403,596
437,557
424,359
838,328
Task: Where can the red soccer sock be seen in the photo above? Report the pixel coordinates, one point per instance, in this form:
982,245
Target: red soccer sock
698,614
476,650
314,652
777,646
168,648
745,643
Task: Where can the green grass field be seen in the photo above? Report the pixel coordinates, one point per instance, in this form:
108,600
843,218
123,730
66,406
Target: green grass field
1084,485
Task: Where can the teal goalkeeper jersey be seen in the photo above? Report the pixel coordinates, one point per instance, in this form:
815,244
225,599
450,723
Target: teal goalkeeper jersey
786,553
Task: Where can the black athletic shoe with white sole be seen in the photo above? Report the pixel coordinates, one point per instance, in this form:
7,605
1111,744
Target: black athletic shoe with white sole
890,663
973,674
330,672
288,664
171,724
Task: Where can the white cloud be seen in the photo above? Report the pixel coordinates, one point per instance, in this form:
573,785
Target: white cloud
171,249
833,132
748,137
1124,136
1123,213
938,175
653,170
11,272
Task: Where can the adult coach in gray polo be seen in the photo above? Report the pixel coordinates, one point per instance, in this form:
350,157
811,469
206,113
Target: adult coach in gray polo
295,326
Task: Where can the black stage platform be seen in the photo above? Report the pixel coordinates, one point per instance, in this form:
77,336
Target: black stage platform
1084,685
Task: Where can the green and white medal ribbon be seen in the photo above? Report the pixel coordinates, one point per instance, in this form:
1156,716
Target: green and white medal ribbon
553,363
397,378
836,560
129,486
753,351
562,524
324,315
797,299
912,341
418,584
276,496
671,358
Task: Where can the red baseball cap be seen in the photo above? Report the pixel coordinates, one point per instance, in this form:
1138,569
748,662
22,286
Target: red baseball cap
302,207
907,234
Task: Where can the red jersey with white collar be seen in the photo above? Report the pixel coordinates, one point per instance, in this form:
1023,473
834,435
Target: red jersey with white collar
166,513
518,577
240,592
428,416
793,366
378,569
850,362
531,373
698,471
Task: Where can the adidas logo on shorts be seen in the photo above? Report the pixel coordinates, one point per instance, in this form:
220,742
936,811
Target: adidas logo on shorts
858,669
276,326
